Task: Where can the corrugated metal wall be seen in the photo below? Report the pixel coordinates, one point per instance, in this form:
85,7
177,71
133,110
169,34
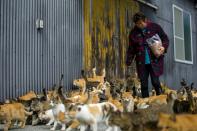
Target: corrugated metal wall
31,59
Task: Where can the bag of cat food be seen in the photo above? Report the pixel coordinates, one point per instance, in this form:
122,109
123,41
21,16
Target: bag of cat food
155,45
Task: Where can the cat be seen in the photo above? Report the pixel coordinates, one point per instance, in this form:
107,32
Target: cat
26,100
127,102
69,119
61,118
47,115
112,97
29,96
186,106
133,83
160,99
141,117
15,111
39,105
57,107
93,96
143,103
165,89
92,114
122,120
126,121
182,122
58,117
100,78
81,83
117,85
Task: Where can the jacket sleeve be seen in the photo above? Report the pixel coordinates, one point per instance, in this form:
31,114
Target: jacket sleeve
130,51
164,38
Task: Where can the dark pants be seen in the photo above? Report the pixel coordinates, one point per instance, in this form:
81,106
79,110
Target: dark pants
154,80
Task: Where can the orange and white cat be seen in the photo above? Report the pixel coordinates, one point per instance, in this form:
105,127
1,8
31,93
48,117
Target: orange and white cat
29,96
127,101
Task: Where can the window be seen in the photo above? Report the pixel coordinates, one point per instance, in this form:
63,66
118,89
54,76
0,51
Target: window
182,35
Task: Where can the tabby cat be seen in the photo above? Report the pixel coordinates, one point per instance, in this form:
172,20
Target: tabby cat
15,111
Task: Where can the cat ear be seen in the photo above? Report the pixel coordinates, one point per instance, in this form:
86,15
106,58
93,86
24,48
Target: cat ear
82,72
44,91
53,88
62,76
60,90
183,82
192,86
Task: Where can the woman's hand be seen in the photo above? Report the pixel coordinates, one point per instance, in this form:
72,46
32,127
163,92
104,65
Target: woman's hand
162,49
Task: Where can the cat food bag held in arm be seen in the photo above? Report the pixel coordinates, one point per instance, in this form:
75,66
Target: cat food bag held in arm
155,45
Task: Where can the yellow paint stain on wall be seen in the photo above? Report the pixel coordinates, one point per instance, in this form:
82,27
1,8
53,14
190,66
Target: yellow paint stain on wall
106,26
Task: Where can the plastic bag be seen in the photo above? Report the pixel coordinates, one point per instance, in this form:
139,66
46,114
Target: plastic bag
155,45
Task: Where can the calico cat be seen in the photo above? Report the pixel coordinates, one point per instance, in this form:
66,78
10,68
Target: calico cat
92,114
15,111
37,106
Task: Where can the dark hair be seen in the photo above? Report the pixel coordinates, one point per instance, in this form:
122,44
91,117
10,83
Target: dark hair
138,16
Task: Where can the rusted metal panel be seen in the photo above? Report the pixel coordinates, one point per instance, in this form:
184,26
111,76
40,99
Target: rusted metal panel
107,26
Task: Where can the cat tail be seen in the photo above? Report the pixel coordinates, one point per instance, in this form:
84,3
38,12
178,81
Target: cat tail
28,113
103,73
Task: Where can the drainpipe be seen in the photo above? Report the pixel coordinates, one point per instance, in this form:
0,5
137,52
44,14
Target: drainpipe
148,4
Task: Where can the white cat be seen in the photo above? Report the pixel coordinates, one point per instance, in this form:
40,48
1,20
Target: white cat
55,112
47,115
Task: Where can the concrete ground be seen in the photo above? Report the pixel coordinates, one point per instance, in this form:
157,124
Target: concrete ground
29,128
101,127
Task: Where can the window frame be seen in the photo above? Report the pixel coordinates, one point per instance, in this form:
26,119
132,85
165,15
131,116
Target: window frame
174,35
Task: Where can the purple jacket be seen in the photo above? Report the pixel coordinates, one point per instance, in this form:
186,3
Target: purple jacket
136,48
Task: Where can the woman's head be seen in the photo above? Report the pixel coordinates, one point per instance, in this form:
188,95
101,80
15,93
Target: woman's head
140,20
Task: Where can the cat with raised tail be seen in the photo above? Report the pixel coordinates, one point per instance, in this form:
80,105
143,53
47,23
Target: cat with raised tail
58,107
